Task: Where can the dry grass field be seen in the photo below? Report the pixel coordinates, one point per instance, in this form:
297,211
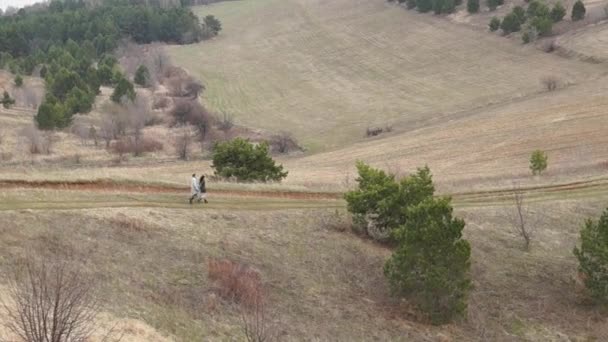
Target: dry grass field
467,103
322,282
328,70
590,43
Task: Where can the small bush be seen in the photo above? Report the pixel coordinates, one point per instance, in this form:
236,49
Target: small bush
592,256
235,281
161,102
18,81
578,11
520,14
124,91
510,23
550,82
492,4
543,25
135,146
473,6
7,100
410,4
558,12
494,24
243,161
538,162
142,76
537,9
283,142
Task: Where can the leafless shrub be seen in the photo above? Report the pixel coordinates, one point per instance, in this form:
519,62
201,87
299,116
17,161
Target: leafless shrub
337,221
549,46
283,142
77,158
225,124
180,84
550,82
236,282
183,141
50,302
193,113
520,223
37,142
256,321
161,103
81,130
373,131
135,145
6,156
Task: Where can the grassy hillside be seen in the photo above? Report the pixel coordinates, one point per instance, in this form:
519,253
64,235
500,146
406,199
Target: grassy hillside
327,70
150,261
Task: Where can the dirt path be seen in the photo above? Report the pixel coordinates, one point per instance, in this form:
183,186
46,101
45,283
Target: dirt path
107,185
586,188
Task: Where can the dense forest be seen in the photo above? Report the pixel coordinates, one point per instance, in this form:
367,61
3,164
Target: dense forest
68,43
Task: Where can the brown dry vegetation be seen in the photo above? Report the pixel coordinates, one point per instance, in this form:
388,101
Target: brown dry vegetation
323,283
326,71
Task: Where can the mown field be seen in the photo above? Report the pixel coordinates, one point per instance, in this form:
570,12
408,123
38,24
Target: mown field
328,70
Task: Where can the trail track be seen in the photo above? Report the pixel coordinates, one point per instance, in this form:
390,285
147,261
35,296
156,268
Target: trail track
585,188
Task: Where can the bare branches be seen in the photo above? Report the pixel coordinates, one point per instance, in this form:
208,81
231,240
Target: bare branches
256,321
182,142
520,223
50,302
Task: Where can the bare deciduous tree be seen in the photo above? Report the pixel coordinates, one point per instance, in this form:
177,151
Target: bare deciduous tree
283,142
225,124
182,142
520,222
550,82
50,302
256,321
193,113
37,142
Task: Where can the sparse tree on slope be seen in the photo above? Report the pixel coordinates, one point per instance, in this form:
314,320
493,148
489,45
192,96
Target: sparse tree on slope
538,162
494,24
473,6
142,76
593,258
432,262
578,11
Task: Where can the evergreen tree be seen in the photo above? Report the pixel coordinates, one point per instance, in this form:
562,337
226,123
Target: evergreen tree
510,23
244,161
431,264
7,100
494,24
18,81
558,12
142,76
424,5
578,11
213,24
592,256
124,89
473,6
538,162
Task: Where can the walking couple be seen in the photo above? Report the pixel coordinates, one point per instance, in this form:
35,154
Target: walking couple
199,190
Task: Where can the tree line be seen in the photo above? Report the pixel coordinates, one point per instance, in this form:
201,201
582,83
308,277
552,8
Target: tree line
69,44
536,20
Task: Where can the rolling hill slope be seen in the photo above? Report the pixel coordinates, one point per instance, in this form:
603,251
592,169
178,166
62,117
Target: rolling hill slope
328,70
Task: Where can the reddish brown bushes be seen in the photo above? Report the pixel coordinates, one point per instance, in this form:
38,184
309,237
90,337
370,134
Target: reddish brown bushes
236,281
136,146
